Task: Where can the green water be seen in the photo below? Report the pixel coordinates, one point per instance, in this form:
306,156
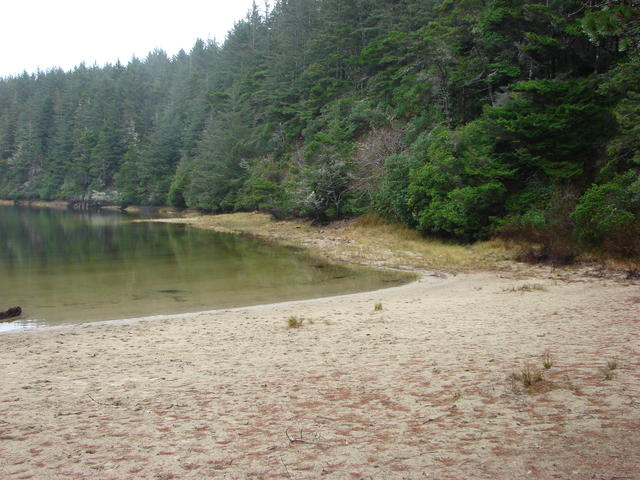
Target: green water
66,268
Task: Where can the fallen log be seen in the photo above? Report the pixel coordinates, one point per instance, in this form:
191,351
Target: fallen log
11,313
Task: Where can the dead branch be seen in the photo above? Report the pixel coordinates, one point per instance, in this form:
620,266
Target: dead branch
285,467
300,440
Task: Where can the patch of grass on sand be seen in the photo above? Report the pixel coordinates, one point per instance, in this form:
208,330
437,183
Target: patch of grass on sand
410,247
295,322
528,377
608,372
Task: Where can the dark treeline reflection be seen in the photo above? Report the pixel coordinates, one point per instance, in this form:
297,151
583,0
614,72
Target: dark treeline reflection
33,237
69,267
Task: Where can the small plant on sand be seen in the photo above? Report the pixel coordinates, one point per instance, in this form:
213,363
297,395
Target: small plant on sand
377,307
530,377
611,366
547,361
295,322
527,377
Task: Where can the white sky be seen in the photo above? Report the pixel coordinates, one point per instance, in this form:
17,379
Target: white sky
63,33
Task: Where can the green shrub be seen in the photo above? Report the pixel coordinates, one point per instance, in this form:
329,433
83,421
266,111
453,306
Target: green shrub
608,215
324,194
391,200
459,190
262,194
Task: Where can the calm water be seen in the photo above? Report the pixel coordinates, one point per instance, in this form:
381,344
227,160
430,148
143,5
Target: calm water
67,267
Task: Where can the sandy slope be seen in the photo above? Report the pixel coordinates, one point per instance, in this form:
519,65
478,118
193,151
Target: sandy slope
420,389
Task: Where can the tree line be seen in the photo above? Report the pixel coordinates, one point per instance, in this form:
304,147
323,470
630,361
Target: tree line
461,118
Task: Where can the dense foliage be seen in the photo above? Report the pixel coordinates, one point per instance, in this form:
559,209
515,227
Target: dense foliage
464,118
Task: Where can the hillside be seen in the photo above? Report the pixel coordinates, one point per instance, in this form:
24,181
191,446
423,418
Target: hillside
464,119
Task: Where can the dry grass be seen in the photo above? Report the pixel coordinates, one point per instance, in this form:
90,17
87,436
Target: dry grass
528,377
608,372
630,265
295,322
547,360
409,247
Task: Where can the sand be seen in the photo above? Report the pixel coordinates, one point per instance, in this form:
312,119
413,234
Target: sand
426,387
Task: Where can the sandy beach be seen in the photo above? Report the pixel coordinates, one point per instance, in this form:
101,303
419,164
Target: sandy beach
428,386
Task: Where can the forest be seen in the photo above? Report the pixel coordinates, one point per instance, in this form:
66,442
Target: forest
465,119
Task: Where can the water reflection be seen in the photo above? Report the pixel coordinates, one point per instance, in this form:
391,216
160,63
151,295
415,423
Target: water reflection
69,267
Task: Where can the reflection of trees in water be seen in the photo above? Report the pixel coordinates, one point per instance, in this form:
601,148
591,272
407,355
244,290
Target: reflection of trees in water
45,236
76,237
97,244
34,237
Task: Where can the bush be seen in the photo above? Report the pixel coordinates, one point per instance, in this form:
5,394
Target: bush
608,216
391,200
546,226
325,191
459,189
264,195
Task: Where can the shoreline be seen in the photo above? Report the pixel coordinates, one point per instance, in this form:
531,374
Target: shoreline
363,241
423,278
426,385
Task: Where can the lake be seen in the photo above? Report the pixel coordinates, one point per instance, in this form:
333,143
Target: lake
66,267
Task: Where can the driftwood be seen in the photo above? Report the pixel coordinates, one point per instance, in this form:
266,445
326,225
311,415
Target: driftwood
11,313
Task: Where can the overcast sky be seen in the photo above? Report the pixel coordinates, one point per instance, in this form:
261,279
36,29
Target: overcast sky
63,33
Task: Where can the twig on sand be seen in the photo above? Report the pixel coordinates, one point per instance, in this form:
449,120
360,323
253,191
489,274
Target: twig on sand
285,467
5,421
433,419
300,440
117,403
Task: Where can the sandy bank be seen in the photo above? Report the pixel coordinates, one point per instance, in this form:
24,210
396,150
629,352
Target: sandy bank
419,389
